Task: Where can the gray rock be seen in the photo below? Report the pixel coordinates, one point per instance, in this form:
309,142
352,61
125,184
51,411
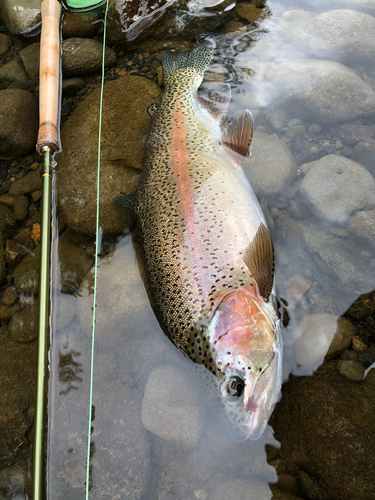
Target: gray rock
335,187
24,325
122,154
364,153
28,184
323,91
271,168
278,119
304,424
172,415
362,225
13,71
351,370
342,35
292,19
20,16
20,207
30,56
82,56
18,123
320,336
352,133
26,274
5,43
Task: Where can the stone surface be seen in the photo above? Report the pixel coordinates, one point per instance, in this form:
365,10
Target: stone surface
28,184
26,274
271,167
24,325
351,370
75,25
82,56
342,35
278,119
13,71
5,43
320,336
326,92
292,19
18,123
20,16
172,415
122,154
335,187
364,153
325,426
30,56
362,225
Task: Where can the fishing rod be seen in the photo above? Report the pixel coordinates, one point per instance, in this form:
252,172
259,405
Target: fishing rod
48,144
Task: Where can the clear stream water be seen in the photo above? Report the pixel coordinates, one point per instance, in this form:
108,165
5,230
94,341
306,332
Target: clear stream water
322,267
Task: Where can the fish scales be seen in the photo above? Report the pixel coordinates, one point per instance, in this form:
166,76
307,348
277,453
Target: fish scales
197,215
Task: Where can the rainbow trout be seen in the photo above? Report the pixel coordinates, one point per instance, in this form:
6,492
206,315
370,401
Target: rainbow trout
208,253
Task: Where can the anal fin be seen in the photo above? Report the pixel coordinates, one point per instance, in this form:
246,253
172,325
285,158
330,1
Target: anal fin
259,258
237,137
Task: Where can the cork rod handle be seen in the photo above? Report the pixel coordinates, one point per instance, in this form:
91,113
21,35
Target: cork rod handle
49,76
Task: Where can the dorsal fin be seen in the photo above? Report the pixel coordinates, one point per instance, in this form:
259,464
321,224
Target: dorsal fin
237,137
215,100
259,258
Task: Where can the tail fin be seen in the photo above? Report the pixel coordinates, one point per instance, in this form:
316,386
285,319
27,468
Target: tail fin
198,58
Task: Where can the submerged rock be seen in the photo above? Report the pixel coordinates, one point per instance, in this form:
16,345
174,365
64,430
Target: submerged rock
271,167
125,123
24,325
324,91
364,153
292,19
18,123
335,187
76,25
20,16
5,43
320,336
174,415
325,424
13,71
362,225
30,56
82,56
342,35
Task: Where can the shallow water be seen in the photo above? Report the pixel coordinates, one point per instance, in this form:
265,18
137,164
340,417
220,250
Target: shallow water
152,436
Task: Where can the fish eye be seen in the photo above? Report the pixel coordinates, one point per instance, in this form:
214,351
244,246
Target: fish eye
233,388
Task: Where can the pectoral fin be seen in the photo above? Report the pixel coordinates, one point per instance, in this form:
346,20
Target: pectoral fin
259,258
127,201
237,137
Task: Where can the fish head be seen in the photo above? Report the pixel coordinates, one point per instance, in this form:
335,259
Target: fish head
247,350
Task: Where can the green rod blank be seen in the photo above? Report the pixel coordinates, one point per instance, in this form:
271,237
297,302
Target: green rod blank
40,402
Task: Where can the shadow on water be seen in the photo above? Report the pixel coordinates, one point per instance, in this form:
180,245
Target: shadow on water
306,72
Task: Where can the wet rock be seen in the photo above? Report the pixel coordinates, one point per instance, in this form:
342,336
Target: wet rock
24,325
362,225
17,379
26,274
5,43
341,35
74,262
122,154
364,153
248,12
320,336
75,25
82,56
352,133
170,414
31,182
12,71
325,91
271,167
149,27
20,207
18,123
292,19
20,16
351,370
335,187
30,56
326,416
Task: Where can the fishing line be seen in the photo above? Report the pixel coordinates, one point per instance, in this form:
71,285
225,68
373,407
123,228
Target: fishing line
96,261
